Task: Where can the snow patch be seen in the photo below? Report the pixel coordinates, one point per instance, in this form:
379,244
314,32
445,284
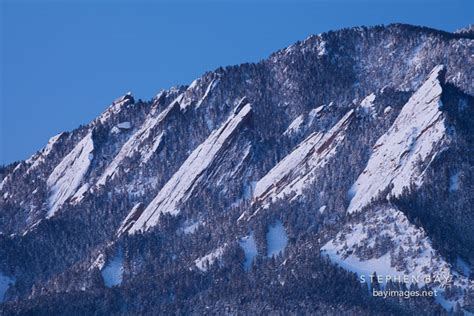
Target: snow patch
131,218
98,263
210,87
79,195
156,143
249,246
115,130
276,239
190,228
116,107
454,182
124,125
316,112
391,225
322,209
112,273
385,242
322,48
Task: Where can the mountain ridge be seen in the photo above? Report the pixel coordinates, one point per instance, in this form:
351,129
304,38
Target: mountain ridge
317,114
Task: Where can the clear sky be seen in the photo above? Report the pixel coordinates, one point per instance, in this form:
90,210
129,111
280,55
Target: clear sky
63,62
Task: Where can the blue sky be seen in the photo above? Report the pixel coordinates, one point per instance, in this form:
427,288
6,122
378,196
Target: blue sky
63,62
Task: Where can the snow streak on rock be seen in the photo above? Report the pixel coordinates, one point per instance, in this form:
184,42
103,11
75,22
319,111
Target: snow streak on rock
210,87
69,173
182,183
411,140
131,218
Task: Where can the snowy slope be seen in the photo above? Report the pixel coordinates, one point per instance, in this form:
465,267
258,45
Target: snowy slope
412,139
385,242
69,173
351,247
183,182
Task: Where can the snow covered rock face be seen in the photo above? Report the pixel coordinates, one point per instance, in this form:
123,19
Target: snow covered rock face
247,170
291,174
178,189
401,154
68,175
137,143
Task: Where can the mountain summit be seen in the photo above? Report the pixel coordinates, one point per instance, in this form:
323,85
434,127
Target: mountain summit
273,187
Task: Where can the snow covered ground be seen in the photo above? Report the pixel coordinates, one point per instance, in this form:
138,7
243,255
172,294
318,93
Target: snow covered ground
276,239
385,242
112,273
191,227
250,249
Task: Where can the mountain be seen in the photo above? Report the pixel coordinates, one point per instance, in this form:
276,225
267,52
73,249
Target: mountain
274,187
